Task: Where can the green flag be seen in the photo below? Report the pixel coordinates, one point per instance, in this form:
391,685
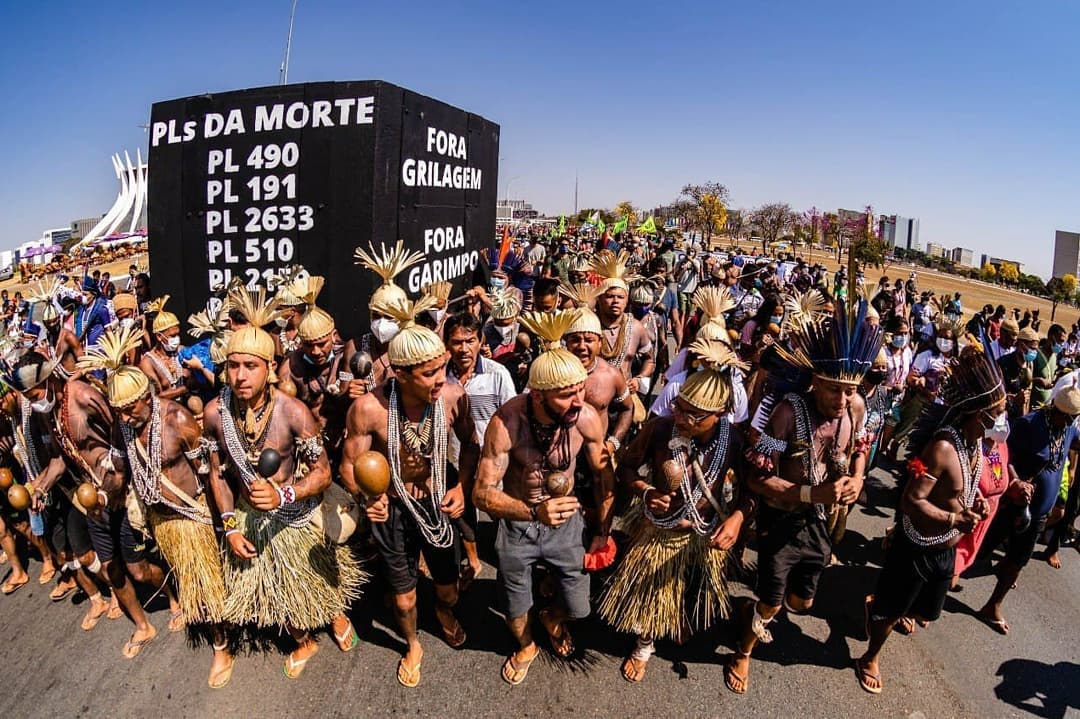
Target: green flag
648,227
620,226
600,226
562,225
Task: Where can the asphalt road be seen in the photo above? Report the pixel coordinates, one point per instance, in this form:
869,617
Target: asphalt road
956,668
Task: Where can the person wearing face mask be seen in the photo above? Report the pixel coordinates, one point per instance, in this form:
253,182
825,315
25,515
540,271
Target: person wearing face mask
898,359
1005,342
94,315
318,371
1018,368
1039,445
500,332
927,370
626,344
755,334
162,364
1045,367
387,264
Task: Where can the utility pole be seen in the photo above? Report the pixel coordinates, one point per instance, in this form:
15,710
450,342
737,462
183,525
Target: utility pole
283,73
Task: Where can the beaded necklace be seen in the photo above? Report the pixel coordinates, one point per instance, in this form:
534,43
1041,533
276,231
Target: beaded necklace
433,524
693,491
544,436
969,479
615,351
166,368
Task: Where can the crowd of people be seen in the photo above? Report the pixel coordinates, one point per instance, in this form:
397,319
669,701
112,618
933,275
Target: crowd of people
631,414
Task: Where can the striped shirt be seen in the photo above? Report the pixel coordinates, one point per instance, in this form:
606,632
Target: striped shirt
489,387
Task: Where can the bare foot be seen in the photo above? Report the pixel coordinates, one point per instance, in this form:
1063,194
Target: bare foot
1054,560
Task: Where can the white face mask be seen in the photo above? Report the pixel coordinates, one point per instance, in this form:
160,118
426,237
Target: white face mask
44,406
127,322
944,345
384,330
172,344
1000,431
281,322
437,315
505,332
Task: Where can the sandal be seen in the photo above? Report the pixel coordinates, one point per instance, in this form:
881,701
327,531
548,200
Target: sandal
865,677
350,635
295,667
60,592
176,621
91,619
456,638
408,677
905,625
514,673
730,674
46,576
998,625
221,678
562,643
115,611
633,669
10,587
133,648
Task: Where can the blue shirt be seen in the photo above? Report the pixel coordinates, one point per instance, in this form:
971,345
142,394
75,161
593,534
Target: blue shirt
1029,453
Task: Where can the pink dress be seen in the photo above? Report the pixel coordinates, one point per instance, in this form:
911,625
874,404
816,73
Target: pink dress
992,484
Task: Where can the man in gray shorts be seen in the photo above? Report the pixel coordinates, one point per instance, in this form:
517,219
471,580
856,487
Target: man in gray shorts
530,446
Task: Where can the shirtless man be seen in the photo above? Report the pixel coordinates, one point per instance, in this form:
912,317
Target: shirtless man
82,425
267,519
624,339
940,502
797,488
318,371
531,447
162,441
409,419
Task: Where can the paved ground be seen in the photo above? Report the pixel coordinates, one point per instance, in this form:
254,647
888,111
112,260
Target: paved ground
956,668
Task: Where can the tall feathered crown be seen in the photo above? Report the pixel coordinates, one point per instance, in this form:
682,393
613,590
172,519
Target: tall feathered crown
840,347
944,321
714,303
387,264
505,303
125,383
804,307
580,262
414,344
581,294
556,367
282,283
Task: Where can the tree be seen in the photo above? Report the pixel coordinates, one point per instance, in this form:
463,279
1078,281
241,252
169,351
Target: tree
1009,273
773,220
710,207
989,272
626,209
1068,284
736,224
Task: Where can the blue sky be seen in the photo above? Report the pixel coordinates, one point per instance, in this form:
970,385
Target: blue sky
964,114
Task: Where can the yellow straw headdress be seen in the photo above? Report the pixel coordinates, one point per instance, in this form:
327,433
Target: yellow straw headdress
317,323
709,389
581,294
162,320
713,302
556,367
613,268
125,383
387,265
803,308
505,303
203,324
438,290
414,344
254,305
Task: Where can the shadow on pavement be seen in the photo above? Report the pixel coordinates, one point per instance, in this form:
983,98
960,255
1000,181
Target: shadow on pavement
1045,690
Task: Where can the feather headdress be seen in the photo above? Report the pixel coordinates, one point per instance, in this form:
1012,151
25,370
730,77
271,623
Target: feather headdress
714,303
387,264
613,268
125,384
804,307
505,303
840,347
556,367
414,344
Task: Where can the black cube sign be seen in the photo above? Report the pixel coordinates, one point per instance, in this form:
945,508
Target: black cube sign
245,184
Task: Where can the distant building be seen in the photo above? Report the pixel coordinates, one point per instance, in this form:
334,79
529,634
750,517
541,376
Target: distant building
997,262
962,256
935,250
897,231
81,228
1066,253
509,210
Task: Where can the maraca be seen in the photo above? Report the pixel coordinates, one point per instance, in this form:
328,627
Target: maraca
6,478
195,405
18,497
87,495
557,484
371,472
672,476
360,365
269,463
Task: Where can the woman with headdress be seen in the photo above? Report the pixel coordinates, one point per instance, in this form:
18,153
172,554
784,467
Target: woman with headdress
928,370
387,264
940,503
162,363
685,469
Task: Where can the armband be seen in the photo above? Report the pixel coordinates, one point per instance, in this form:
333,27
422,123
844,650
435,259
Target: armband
767,444
229,522
644,383
287,495
614,442
622,397
310,448
804,494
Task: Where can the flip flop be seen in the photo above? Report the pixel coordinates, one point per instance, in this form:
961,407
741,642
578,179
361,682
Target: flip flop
466,577
221,678
60,592
635,664
174,626
115,612
730,673
295,667
46,577
136,647
562,644
514,673
905,625
408,677
91,620
350,635
998,625
9,588
455,639
864,675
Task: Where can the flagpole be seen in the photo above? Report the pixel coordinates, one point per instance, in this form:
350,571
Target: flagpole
283,76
